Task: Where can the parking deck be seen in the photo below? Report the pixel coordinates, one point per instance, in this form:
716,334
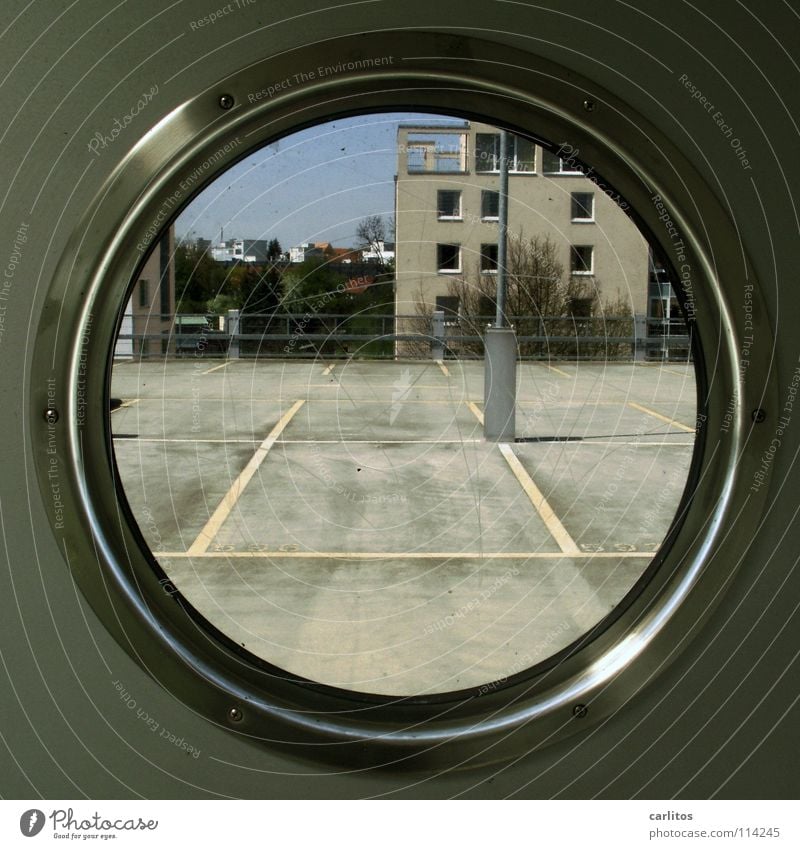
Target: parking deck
347,522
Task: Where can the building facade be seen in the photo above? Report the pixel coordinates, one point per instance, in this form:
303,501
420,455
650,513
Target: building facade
446,217
148,316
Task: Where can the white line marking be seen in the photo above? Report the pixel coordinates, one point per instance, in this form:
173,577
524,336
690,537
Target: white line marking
477,413
588,441
329,369
633,405
565,542
559,371
212,526
416,555
443,367
216,368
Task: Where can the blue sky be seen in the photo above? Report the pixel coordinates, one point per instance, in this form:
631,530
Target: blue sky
312,186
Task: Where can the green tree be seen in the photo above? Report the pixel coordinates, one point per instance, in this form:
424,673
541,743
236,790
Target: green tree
259,290
198,279
312,286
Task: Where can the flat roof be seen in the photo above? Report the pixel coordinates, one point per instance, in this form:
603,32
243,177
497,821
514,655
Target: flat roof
460,126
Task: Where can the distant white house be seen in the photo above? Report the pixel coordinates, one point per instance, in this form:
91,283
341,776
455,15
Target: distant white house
231,251
379,252
300,253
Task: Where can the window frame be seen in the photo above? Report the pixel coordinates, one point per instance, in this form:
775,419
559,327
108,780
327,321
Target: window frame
562,171
573,249
451,317
428,143
589,219
440,269
459,216
484,256
484,194
513,158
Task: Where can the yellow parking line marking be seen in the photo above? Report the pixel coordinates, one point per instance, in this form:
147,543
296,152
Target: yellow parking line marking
559,533
633,405
329,369
212,526
375,441
254,400
664,368
216,368
478,414
352,387
414,555
443,367
126,404
559,371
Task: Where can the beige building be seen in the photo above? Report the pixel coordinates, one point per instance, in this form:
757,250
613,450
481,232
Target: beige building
148,316
446,213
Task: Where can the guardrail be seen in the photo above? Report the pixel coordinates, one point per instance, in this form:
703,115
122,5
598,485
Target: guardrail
388,336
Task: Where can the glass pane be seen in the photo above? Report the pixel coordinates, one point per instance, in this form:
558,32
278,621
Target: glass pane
525,155
302,445
449,205
551,164
486,151
490,204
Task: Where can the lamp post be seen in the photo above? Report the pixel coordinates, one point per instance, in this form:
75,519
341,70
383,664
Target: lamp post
500,341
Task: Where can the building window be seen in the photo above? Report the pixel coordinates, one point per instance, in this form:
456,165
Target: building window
436,153
144,295
521,154
487,307
581,307
448,304
582,259
448,205
524,156
490,204
552,164
582,206
448,258
488,259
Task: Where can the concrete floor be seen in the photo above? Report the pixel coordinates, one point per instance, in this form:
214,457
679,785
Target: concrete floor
367,537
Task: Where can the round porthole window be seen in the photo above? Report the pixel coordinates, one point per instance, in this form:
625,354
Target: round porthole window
300,432
294,511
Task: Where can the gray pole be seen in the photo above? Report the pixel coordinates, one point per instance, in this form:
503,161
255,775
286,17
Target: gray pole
502,233
437,336
500,341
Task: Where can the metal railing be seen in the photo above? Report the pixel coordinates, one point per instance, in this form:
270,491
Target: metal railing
388,336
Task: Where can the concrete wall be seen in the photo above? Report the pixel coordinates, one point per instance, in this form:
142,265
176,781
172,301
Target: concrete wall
147,311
